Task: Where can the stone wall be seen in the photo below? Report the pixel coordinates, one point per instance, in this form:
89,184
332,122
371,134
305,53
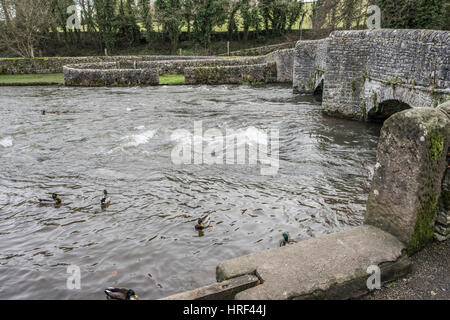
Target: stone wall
363,69
284,60
108,74
442,227
261,50
259,68
309,65
266,72
178,66
56,64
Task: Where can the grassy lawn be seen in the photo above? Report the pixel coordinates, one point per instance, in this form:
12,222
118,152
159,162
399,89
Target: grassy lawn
31,79
58,79
171,79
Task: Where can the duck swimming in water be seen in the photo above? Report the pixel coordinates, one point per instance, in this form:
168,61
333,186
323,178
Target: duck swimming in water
106,200
285,240
56,200
120,294
201,223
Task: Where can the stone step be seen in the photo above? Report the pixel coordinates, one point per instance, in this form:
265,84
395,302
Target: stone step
332,266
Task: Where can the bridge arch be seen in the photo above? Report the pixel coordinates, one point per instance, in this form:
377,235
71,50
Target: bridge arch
382,111
318,88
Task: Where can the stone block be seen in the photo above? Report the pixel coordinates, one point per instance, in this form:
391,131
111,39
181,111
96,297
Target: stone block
331,266
411,161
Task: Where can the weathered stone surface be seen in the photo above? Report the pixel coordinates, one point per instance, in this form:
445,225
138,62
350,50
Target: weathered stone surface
363,69
261,50
266,73
310,59
225,290
439,237
411,161
284,60
330,266
178,66
105,74
442,229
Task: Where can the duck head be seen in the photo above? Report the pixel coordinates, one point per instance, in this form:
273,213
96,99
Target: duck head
285,236
131,295
105,192
200,222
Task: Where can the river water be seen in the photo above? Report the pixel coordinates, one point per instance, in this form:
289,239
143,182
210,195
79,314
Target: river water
120,139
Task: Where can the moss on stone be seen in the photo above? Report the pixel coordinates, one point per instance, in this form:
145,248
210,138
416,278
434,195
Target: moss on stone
424,228
353,86
251,83
438,98
363,111
426,216
365,76
394,81
436,145
375,102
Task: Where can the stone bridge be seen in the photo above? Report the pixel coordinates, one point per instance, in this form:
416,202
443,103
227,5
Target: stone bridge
371,74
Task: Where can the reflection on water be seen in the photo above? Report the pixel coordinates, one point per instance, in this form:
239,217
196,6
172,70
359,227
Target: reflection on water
91,139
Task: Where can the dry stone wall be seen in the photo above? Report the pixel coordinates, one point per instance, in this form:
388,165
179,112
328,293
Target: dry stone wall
259,73
108,74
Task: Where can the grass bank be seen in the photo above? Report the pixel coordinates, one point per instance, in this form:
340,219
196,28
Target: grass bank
31,79
58,79
171,79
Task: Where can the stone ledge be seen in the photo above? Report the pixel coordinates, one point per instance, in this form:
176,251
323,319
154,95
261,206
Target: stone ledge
330,266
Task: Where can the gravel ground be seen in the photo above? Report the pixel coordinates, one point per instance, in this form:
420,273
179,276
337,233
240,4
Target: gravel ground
428,280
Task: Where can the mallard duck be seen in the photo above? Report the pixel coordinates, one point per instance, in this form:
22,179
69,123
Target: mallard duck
285,240
201,223
106,200
120,294
56,200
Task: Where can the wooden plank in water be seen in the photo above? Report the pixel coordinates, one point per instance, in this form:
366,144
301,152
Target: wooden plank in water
225,290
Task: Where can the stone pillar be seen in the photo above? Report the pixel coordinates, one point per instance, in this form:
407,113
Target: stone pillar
442,227
406,188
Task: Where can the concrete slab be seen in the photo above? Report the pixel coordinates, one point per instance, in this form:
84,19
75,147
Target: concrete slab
332,266
225,290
